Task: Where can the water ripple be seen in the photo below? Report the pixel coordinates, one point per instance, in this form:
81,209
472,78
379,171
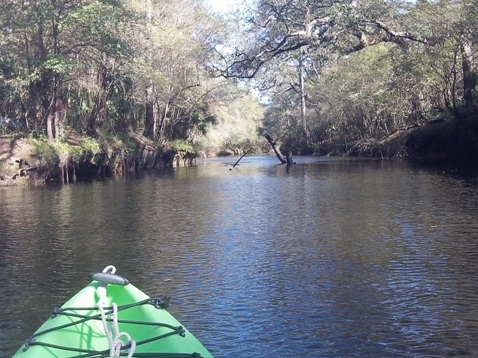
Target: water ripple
333,259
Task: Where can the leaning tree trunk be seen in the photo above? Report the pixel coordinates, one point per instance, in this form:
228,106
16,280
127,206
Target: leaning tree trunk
303,114
469,78
50,119
150,120
282,158
60,116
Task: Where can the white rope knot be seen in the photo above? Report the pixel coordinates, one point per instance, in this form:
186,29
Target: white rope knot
116,344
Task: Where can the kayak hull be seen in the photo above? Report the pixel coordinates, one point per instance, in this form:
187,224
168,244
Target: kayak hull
77,329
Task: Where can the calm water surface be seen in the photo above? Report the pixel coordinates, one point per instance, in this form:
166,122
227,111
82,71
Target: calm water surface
323,259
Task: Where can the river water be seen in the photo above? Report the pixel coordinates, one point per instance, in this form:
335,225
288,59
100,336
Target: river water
326,258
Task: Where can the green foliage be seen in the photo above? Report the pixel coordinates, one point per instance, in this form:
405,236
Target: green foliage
370,68
239,115
57,151
99,25
90,146
368,104
100,57
59,64
45,150
201,121
181,145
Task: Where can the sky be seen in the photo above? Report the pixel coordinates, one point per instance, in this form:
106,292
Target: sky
219,5
222,6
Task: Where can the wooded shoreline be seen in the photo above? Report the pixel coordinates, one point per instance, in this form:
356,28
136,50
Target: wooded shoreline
449,144
97,88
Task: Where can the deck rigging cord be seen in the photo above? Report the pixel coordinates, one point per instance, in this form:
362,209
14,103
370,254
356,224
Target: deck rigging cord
120,343
112,331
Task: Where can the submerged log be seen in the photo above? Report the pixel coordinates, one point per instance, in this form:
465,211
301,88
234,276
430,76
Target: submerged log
23,172
246,152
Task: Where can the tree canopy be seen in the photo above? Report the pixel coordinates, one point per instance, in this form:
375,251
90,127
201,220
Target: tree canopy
109,65
328,71
357,70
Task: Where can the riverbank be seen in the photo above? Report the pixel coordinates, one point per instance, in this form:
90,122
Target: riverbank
445,143
452,143
448,143
36,161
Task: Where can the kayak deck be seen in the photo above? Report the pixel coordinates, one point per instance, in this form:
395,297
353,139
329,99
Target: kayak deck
80,328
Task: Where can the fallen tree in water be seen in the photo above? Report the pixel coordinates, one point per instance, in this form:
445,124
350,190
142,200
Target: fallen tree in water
284,159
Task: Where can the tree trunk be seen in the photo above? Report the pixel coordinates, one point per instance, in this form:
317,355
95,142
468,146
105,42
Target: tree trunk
50,119
149,123
161,127
302,92
469,79
98,113
59,118
283,159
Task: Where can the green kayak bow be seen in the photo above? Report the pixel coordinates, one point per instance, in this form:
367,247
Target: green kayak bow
111,318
